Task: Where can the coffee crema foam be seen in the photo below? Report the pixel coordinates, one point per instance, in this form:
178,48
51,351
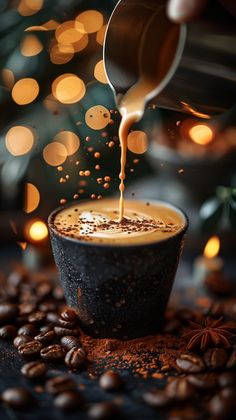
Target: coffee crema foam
99,222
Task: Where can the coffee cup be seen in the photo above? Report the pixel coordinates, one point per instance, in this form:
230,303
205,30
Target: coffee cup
119,287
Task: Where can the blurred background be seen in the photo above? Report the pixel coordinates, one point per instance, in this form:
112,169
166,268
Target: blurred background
59,125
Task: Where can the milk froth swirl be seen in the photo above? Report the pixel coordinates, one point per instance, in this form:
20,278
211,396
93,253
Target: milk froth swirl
99,222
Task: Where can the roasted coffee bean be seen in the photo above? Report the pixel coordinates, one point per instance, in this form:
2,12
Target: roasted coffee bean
203,381
232,360
37,317
52,317
70,341
60,384
69,400
28,329
61,331
75,358
180,390
66,324
228,392
17,397
21,339
227,379
110,380
34,370
49,306
69,315
103,411
216,309
190,363
53,353
8,332
185,314
8,312
222,407
30,349
157,398
44,289
215,358
45,337
58,293
26,308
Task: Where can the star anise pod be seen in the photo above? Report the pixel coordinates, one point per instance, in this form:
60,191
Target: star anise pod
213,332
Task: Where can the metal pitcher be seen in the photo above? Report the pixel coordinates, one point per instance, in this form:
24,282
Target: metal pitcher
198,63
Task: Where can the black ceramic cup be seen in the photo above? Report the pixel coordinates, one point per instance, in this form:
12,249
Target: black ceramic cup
119,291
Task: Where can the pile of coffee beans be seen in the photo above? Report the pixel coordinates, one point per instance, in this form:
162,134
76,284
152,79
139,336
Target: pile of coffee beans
46,334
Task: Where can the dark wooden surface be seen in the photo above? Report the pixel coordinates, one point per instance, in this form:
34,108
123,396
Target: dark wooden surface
130,400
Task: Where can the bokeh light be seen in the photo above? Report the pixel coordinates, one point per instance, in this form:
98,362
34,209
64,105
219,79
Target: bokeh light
31,46
19,140
100,36
25,91
81,44
69,32
36,230
70,140
61,53
99,72
54,154
8,78
138,142
212,247
31,197
201,134
92,20
29,7
97,117
68,88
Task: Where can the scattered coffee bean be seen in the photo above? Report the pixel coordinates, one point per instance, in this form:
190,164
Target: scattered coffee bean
61,331
66,324
103,411
8,311
75,358
185,413
219,285
157,398
8,332
30,349
28,329
190,363
221,407
45,337
231,364
69,315
52,317
60,384
203,381
70,341
21,339
215,358
110,381
180,390
17,397
26,308
44,289
53,353
34,370
227,379
69,400
37,317
48,306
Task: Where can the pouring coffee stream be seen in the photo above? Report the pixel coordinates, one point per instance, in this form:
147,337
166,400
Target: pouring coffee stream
188,68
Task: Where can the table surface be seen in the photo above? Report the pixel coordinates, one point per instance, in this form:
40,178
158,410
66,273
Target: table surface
130,399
